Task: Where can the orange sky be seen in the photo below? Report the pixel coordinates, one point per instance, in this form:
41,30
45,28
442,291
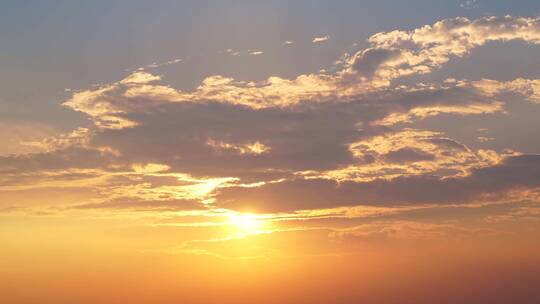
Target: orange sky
104,261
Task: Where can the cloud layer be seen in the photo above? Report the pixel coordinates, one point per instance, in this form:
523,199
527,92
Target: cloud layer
317,141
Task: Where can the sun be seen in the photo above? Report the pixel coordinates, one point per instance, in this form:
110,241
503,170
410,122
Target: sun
244,222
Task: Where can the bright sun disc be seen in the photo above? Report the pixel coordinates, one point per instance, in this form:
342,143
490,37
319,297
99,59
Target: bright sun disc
244,222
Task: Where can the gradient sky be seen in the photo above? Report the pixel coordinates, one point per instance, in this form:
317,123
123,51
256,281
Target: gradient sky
270,151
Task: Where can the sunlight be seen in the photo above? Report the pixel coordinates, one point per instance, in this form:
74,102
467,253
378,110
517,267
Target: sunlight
245,222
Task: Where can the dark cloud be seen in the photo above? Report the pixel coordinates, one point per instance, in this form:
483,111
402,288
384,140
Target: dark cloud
367,62
408,155
517,172
68,158
311,136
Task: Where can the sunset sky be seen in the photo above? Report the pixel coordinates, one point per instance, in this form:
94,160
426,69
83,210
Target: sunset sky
270,151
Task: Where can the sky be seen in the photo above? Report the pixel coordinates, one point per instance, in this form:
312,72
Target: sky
270,151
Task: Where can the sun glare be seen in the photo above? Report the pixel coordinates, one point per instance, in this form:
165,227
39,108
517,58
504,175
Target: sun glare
245,222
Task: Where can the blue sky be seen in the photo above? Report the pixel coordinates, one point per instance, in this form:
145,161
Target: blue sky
50,46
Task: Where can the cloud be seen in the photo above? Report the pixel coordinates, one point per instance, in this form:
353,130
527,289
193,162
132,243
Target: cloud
154,65
370,59
288,42
490,183
77,137
406,231
137,204
21,138
469,4
140,77
223,138
410,152
255,52
408,155
111,104
485,139
231,52
391,55
399,53
319,140
528,88
248,148
320,39
524,212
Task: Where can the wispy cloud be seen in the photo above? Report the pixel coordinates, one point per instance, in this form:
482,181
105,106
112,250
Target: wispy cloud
255,52
154,65
231,52
320,39
469,4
